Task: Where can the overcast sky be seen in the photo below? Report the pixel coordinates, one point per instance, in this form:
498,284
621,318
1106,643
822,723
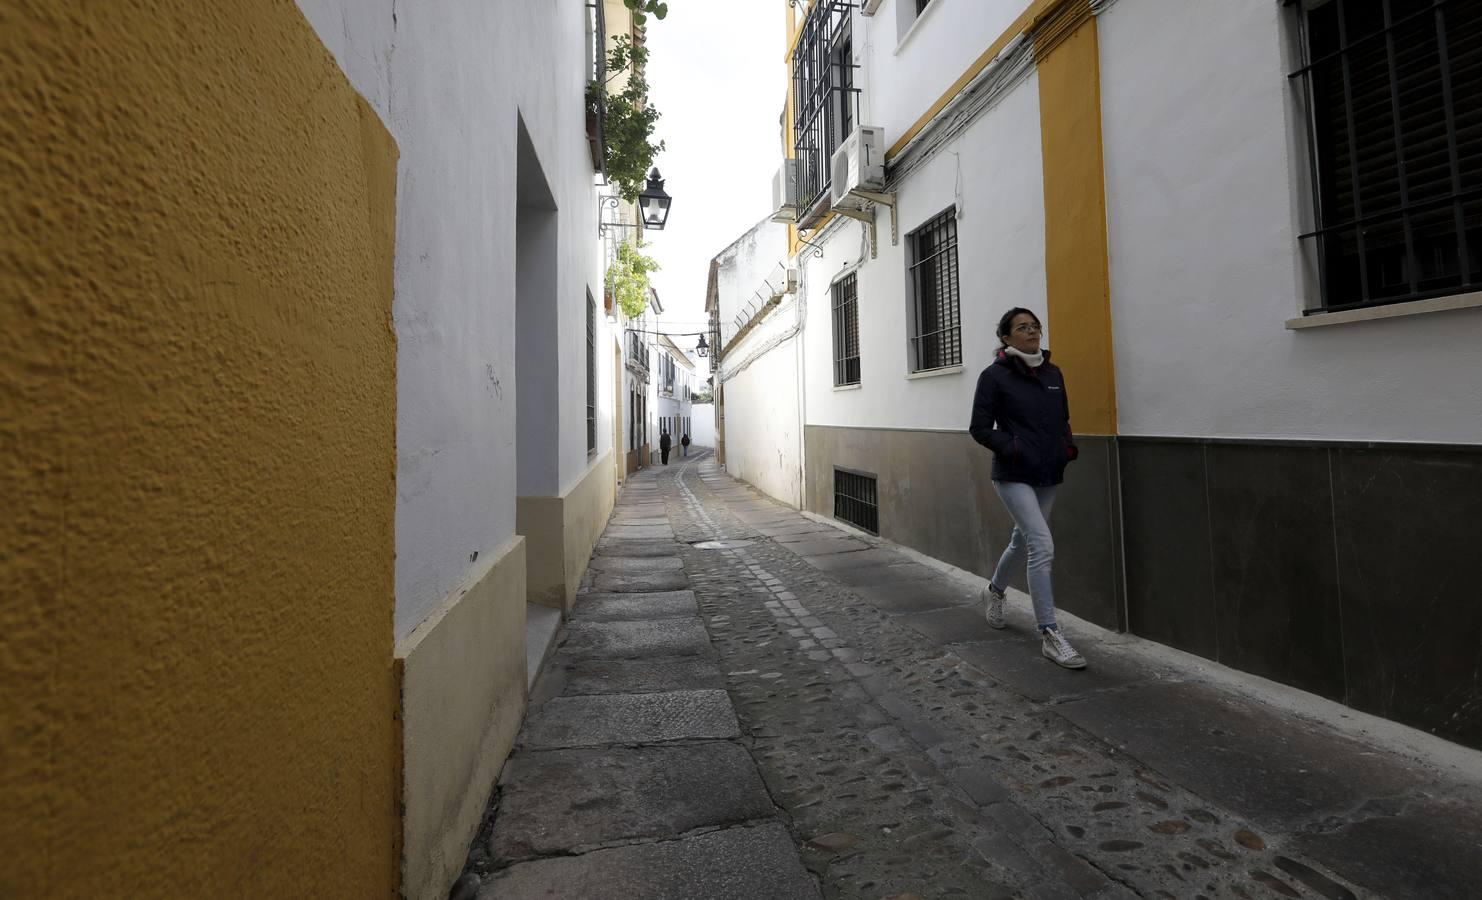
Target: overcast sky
716,76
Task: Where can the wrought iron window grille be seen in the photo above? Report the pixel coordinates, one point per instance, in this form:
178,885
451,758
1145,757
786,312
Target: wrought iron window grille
936,320
856,499
846,330
825,99
1394,133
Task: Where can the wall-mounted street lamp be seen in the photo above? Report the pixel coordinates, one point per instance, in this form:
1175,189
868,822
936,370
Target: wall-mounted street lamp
702,349
653,206
654,203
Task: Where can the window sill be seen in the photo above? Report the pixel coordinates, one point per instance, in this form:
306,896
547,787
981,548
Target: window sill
933,373
911,29
1392,311
847,387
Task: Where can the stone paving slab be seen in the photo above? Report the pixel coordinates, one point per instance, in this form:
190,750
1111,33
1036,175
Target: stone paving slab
800,535
828,545
1268,766
564,801
645,516
654,510
965,623
770,518
747,863
832,562
1383,846
866,576
631,565
761,505
794,524
917,596
594,720
639,531
639,519
612,607
1013,658
640,676
640,583
661,637
633,547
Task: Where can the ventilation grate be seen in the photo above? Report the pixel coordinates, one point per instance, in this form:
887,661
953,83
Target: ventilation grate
854,500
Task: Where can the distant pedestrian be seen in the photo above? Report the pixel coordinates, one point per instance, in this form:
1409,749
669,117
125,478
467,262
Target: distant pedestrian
664,445
684,445
1021,413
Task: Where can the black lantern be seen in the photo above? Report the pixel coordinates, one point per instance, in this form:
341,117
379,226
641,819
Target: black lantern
653,203
702,348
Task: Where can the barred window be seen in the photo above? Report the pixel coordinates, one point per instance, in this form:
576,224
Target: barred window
846,331
855,499
825,100
591,373
1395,140
936,320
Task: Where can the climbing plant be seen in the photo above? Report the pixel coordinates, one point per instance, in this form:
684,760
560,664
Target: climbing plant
629,274
642,9
628,119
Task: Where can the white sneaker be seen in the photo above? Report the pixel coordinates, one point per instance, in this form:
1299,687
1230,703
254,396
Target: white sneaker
993,606
1059,651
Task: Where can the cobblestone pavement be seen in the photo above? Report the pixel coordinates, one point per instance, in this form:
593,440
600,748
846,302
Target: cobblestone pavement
905,750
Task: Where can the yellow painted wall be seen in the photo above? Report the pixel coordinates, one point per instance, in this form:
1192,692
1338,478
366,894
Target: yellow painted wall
1076,267
197,456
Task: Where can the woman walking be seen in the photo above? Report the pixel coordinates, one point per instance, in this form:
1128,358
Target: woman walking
1022,414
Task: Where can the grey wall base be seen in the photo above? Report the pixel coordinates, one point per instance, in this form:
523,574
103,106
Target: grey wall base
1349,570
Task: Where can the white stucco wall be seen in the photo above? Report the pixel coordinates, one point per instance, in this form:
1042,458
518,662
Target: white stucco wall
903,73
1000,261
762,392
747,267
1204,194
763,433
703,417
675,407
451,80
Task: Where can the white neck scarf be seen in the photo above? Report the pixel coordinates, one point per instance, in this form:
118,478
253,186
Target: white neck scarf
1033,360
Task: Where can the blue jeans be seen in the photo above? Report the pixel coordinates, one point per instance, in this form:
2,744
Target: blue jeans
1030,508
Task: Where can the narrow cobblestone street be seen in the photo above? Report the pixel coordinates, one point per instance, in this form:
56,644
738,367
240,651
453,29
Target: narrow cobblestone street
751,703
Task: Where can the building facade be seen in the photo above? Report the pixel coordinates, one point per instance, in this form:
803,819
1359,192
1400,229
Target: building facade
340,307
638,394
703,425
1253,235
674,383
758,315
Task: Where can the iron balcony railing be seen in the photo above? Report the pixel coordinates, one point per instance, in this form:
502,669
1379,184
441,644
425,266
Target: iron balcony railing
638,352
825,100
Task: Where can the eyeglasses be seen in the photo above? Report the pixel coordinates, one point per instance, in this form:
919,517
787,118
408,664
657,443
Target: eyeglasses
1028,328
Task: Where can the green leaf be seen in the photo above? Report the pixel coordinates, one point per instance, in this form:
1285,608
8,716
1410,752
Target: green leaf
629,274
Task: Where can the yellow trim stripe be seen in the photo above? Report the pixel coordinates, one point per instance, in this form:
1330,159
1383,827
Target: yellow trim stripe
1028,20
1077,278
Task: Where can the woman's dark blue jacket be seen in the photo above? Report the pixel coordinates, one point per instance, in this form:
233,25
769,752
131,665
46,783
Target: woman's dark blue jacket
1022,414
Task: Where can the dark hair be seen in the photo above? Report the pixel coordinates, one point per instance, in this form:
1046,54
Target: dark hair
1007,322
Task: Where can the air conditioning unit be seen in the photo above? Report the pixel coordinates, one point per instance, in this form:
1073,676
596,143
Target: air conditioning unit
785,192
858,164
869,7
